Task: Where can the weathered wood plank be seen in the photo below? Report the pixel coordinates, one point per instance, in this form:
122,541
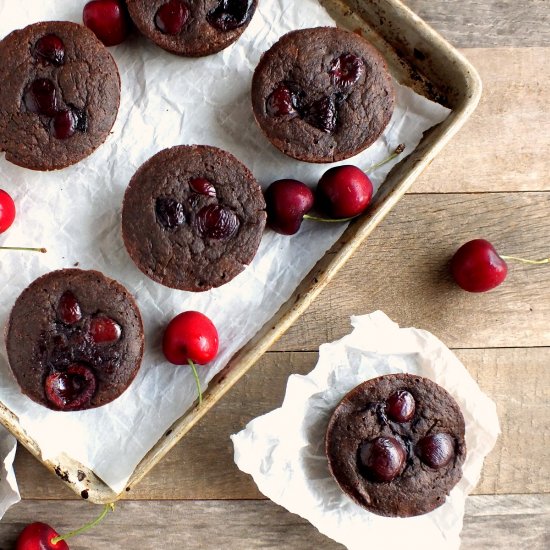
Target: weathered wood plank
487,23
201,466
402,269
502,146
515,521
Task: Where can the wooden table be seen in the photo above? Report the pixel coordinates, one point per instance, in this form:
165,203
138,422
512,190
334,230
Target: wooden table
492,181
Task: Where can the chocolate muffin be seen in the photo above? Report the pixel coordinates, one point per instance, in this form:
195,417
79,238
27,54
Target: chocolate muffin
192,28
322,94
395,445
60,95
74,340
193,217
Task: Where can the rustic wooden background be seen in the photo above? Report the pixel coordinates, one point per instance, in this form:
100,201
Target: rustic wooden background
492,181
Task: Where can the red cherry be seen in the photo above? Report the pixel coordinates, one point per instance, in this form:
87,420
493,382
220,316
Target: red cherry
344,191
72,389
38,536
202,186
104,330
68,308
282,101
40,97
477,267
50,49
382,458
172,16
287,201
7,211
190,336
108,20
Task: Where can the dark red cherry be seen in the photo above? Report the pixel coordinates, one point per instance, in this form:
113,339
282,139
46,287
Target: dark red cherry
172,16
230,14
382,458
68,308
71,389
169,212
63,124
322,114
436,450
287,201
217,222
41,97
108,20
50,49
282,101
400,406
344,191
477,267
346,70
103,330
203,187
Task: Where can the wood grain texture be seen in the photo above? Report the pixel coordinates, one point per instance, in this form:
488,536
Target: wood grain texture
487,23
490,522
502,147
402,269
201,465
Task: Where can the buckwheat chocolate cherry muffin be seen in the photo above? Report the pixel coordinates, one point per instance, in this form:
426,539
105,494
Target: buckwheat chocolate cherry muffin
192,28
395,445
193,217
60,95
322,94
74,340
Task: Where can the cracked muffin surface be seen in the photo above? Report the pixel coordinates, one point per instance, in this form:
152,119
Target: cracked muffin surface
395,444
322,94
193,217
60,95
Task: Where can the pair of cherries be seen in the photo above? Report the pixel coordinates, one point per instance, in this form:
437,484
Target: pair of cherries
342,193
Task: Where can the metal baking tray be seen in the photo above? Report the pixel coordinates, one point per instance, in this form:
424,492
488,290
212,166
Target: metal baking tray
419,58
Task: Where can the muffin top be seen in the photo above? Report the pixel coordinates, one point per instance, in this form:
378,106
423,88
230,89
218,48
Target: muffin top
74,340
395,445
60,95
322,94
193,217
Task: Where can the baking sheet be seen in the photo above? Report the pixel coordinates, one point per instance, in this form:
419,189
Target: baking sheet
75,213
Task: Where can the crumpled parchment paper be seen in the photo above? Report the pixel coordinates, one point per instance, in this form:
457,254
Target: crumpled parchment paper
9,492
75,213
284,450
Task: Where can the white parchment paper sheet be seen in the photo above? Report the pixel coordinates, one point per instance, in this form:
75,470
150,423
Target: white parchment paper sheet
9,492
284,449
75,213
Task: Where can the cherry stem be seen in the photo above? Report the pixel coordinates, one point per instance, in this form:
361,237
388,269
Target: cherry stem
197,381
106,509
398,150
523,260
42,250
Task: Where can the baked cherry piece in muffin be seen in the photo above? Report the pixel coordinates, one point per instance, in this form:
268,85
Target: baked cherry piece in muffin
395,445
322,94
74,340
60,95
193,217
192,28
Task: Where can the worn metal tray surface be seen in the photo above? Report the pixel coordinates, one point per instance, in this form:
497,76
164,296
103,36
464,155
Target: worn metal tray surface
419,58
